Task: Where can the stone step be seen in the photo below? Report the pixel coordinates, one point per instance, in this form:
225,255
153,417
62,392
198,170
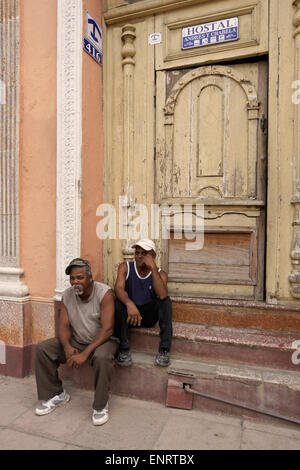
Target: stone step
236,313
241,345
276,392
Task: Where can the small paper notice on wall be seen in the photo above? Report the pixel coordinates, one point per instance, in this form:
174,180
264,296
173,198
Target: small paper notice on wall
154,38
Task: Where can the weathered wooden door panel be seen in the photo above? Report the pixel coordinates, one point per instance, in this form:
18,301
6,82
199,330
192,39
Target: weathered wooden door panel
211,149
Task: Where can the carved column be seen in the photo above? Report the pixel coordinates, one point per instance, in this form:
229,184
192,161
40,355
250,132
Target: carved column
253,118
69,134
167,184
11,285
294,276
127,202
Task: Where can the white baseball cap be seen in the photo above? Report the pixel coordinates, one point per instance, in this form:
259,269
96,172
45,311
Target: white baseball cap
148,245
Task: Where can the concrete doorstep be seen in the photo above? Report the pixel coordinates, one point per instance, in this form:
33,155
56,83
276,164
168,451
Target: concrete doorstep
133,425
267,390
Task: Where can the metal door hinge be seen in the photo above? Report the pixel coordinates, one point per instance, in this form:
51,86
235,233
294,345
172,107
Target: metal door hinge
263,124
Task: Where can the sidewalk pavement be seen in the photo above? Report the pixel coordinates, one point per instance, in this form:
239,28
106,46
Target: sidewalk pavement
133,425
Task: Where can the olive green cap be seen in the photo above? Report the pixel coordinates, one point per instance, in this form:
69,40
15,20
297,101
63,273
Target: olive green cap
77,262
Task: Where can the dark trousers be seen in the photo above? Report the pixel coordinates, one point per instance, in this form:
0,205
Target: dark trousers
157,311
50,354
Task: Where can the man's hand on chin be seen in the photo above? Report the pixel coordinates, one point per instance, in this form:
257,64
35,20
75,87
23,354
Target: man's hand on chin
149,262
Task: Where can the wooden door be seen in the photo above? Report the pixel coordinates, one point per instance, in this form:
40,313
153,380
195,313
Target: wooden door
211,150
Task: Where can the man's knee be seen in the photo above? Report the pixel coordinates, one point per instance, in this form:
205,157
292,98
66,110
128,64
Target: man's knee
49,347
120,308
39,350
43,346
118,303
104,354
166,301
165,306
101,356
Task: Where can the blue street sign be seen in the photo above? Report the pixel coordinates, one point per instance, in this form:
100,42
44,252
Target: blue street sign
93,42
92,51
207,34
94,32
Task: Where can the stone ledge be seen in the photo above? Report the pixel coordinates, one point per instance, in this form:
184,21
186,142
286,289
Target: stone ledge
223,369
258,387
252,338
234,313
249,304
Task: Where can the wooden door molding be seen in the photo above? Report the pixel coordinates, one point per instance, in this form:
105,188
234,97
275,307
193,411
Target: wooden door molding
228,179
253,107
294,276
247,86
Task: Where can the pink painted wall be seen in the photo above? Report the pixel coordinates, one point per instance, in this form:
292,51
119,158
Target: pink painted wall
38,83
92,149
38,31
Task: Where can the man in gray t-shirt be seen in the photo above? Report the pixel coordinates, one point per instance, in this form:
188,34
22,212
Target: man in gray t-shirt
85,331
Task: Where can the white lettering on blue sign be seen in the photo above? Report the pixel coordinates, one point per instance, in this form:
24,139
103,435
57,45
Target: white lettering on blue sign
94,32
93,42
210,33
92,51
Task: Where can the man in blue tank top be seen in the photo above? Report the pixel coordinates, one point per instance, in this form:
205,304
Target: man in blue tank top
142,300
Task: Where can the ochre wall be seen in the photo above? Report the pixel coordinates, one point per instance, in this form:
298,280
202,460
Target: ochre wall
92,149
38,32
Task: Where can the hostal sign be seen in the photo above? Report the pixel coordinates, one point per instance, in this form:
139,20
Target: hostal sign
207,34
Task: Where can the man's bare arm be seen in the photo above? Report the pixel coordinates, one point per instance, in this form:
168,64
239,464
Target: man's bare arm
120,284
160,283
160,279
64,332
134,317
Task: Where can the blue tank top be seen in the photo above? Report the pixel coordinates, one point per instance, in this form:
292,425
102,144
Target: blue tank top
139,289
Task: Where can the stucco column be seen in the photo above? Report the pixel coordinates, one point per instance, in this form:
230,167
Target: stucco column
294,277
127,202
69,137
11,285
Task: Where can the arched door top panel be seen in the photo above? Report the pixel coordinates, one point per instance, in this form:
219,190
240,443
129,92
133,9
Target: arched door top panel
211,126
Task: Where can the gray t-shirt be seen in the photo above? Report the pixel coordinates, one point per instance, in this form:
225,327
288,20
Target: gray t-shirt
85,315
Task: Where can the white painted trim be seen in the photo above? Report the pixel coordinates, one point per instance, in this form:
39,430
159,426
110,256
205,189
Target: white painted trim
9,135
140,277
69,137
128,270
12,287
11,284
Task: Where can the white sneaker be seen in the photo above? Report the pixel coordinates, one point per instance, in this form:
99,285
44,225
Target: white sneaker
50,405
100,417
